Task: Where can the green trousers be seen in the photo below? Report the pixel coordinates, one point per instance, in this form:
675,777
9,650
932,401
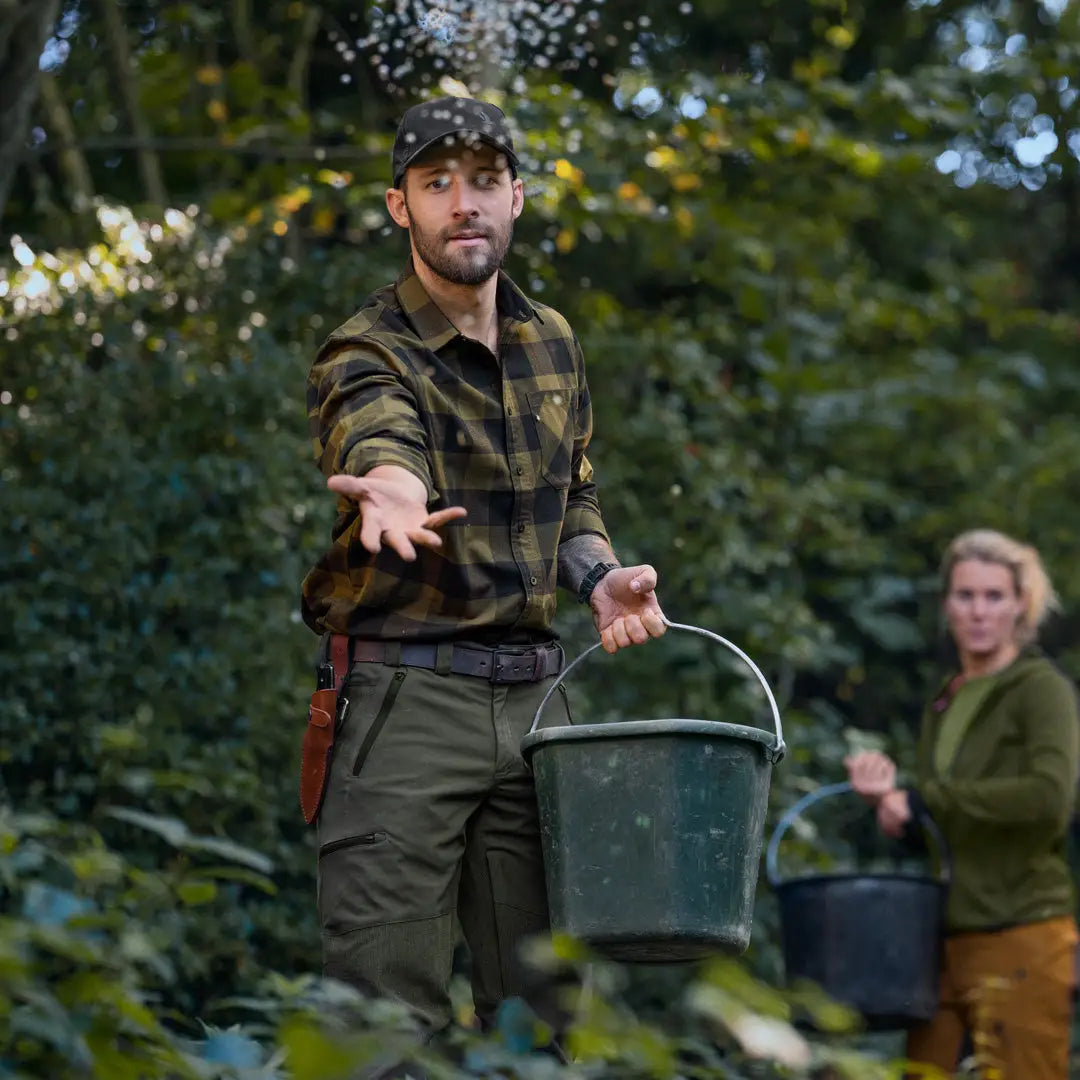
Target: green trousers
429,823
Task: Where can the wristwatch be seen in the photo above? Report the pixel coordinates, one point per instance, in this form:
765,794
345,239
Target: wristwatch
592,579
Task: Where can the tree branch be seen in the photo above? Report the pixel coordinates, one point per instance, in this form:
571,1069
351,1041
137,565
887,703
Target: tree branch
301,59
173,144
245,40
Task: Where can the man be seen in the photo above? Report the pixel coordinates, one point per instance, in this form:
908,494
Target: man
451,416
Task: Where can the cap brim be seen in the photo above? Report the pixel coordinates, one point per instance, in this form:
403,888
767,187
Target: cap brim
455,136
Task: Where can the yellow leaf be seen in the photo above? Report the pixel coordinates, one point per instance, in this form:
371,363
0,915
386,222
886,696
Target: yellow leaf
323,219
663,157
760,149
840,37
254,216
684,221
866,160
289,204
280,228
564,170
334,178
566,241
628,190
801,138
217,112
209,75
686,181
716,140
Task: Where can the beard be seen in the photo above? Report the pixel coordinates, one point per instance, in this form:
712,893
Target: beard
462,266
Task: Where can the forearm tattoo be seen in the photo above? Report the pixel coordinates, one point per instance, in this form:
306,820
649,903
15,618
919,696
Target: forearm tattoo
578,555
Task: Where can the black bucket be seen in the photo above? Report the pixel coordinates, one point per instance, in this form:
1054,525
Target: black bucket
870,941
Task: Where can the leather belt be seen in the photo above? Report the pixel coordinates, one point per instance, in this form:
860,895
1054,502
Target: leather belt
508,664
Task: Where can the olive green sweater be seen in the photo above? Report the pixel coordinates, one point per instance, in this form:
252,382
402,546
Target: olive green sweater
1005,801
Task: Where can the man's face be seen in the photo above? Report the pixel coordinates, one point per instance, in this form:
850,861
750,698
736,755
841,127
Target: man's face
459,205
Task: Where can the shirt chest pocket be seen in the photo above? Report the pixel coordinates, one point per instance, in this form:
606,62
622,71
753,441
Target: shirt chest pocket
550,415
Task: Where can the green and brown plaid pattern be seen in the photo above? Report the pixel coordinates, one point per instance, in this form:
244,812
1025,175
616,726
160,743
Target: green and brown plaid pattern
399,385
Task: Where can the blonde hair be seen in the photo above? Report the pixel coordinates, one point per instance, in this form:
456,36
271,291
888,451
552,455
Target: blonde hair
1032,582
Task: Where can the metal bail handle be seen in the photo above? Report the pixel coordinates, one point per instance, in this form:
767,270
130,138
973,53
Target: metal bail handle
824,792
780,746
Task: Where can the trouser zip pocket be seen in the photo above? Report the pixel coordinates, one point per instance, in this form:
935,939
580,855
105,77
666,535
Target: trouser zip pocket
380,719
351,841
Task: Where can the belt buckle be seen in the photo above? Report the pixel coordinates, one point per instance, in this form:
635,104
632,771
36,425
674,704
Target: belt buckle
504,657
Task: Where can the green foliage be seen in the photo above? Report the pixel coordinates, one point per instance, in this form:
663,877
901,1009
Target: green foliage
814,356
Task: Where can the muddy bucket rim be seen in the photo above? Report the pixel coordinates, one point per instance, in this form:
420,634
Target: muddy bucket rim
839,877
634,729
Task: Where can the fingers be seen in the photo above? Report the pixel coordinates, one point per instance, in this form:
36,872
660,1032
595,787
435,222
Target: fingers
619,632
424,538
398,540
441,517
872,774
350,486
644,580
370,533
654,624
625,631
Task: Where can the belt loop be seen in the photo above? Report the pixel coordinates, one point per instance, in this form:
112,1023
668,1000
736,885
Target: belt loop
444,657
392,654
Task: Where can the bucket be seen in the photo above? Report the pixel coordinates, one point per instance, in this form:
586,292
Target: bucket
652,829
871,941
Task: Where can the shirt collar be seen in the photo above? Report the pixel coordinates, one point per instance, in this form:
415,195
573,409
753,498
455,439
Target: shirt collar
433,328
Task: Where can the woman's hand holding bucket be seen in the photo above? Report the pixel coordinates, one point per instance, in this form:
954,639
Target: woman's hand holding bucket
873,776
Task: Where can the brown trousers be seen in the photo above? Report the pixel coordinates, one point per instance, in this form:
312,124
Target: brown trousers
430,829
1011,990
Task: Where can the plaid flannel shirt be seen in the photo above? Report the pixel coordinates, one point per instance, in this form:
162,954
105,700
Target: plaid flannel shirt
504,436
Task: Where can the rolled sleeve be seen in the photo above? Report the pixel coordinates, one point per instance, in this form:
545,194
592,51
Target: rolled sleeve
363,413
582,504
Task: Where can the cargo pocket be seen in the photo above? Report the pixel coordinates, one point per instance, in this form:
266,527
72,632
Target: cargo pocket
550,411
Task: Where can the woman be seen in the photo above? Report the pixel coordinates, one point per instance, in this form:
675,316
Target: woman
997,763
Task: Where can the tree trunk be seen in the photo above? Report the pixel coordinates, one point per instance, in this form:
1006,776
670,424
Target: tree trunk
25,26
120,53
72,162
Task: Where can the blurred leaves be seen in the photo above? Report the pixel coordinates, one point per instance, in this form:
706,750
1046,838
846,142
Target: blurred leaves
825,278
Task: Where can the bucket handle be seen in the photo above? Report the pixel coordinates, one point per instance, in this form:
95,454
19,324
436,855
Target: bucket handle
824,792
776,754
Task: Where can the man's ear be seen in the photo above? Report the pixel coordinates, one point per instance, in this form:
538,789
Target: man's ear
519,197
395,204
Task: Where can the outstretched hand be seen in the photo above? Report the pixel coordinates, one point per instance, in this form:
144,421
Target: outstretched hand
394,511
625,608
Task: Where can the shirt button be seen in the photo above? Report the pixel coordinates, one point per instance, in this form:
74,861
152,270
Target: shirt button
520,471
521,526
532,581
509,410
